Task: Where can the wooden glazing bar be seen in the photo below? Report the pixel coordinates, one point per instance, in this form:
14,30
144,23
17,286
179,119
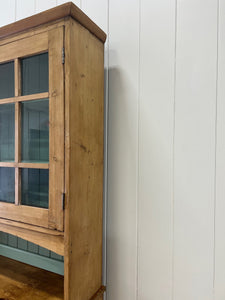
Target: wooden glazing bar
24,165
34,165
8,164
17,186
17,77
24,98
17,133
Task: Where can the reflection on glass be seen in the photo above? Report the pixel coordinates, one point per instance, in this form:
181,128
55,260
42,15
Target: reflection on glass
34,73
7,185
7,80
7,132
34,183
35,131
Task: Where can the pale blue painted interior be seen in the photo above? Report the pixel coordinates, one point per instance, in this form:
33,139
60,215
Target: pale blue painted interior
27,252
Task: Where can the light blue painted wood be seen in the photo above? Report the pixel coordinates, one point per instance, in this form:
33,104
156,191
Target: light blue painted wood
33,248
12,241
42,262
43,252
21,249
22,244
3,238
56,256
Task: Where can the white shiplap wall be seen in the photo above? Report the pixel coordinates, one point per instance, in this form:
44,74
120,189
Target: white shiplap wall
165,106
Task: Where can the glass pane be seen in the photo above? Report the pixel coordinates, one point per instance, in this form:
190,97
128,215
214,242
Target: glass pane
7,185
7,132
35,131
7,80
34,71
34,183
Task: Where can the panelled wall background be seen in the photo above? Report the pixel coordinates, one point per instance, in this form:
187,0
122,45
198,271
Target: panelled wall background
165,106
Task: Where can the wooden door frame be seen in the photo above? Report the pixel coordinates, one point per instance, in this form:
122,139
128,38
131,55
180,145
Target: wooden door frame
51,41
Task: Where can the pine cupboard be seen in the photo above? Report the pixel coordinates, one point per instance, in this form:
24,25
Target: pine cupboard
51,151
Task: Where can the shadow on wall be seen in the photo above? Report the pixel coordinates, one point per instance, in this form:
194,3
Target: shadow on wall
122,182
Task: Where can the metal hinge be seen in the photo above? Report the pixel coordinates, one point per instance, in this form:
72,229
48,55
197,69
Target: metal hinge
63,201
63,55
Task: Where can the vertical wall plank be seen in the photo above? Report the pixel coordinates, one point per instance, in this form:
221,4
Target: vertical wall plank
195,149
24,8
77,2
42,5
7,12
156,149
97,10
220,166
123,147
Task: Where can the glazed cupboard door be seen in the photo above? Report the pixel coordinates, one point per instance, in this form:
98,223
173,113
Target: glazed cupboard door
32,130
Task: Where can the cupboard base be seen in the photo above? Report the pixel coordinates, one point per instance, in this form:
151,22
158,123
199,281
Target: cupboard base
23,282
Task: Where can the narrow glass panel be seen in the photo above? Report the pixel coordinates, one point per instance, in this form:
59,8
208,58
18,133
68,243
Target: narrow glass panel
34,183
34,71
7,185
35,131
7,132
7,80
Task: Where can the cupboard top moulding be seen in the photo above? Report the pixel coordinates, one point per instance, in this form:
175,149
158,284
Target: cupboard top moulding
51,138
51,15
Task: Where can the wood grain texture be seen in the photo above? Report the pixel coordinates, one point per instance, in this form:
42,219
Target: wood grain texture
17,72
17,186
24,98
31,227
25,165
47,240
31,45
33,31
101,17
23,282
56,128
99,294
17,133
25,214
84,163
59,12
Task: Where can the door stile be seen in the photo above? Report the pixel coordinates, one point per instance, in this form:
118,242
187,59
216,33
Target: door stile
56,130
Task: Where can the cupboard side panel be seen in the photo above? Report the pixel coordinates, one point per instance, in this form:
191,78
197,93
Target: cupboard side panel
83,268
